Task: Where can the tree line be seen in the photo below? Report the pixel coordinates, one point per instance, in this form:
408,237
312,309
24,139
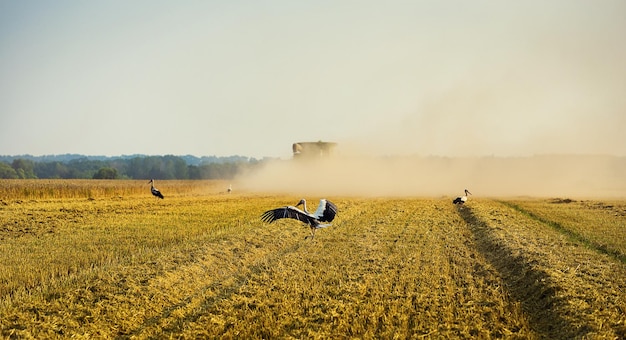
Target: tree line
161,167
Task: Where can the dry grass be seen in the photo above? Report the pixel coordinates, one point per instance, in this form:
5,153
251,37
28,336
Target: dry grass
201,264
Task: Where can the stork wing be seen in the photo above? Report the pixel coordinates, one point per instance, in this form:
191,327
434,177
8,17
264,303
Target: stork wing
286,212
326,211
156,192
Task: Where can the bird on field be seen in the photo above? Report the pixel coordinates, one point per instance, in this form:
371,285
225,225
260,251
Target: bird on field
462,199
230,188
154,190
325,212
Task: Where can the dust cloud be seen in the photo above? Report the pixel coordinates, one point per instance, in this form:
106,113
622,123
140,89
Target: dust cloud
534,128
536,176
545,99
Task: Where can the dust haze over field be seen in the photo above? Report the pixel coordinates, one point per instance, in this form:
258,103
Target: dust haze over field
531,124
537,176
542,119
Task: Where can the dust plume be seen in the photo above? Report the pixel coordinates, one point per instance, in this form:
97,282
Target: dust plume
536,176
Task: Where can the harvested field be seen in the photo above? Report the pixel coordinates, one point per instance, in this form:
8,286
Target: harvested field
201,264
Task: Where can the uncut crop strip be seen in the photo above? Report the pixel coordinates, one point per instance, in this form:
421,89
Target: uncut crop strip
42,189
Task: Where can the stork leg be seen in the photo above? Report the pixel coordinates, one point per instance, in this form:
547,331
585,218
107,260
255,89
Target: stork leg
312,234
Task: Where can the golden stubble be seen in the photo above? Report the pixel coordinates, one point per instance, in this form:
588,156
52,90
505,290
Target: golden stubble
204,265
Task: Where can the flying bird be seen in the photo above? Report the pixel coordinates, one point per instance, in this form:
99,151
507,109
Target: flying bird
325,212
154,190
462,199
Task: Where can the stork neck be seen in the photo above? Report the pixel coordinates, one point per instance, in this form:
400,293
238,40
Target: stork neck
304,206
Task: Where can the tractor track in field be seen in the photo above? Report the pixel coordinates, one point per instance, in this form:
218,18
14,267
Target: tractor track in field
600,248
525,282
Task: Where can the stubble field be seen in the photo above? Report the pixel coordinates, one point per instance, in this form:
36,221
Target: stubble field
104,259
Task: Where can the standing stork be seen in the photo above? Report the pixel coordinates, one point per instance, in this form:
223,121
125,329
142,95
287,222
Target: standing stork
154,190
462,199
325,212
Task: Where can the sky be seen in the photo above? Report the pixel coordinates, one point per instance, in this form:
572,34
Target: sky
446,78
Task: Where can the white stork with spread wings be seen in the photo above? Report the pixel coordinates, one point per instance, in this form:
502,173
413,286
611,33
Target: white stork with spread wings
462,199
325,212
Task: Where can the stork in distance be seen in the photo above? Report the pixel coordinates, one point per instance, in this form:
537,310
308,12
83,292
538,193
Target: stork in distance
154,190
325,212
462,199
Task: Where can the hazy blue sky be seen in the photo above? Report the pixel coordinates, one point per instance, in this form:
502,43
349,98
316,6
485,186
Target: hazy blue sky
450,78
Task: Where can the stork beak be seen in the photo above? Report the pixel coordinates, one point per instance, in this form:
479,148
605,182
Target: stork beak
150,181
300,203
467,192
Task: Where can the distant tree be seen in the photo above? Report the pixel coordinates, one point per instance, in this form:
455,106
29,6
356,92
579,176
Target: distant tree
6,171
24,168
106,173
137,167
84,167
52,170
193,172
215,171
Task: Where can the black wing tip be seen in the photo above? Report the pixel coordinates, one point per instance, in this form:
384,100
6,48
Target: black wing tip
330,212
331,204
268,216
